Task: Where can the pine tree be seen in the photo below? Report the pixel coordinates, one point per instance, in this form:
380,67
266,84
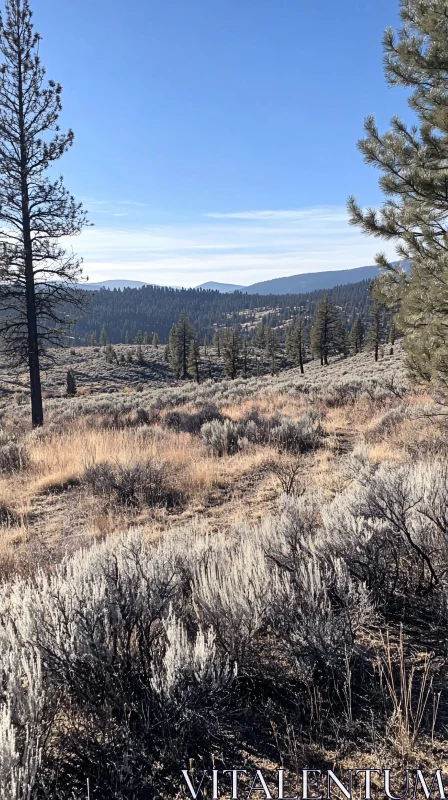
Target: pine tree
205,345
392,335
260,335
110,354
231,351
245,357
127,338
155,340
217,342
146,337
356,337
37,276
324,333
140,355
413,162
341,341
138,338
71,383
194,360
181,336
166,354
295,342
103,337
272,349
376,328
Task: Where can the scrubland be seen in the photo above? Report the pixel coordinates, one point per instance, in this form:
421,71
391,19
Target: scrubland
236,572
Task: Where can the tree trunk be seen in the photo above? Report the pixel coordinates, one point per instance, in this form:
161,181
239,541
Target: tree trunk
37,414
301,359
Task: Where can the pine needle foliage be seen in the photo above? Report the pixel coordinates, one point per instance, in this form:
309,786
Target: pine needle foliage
413,162
181,337
231,349
325,332
194,360
295,341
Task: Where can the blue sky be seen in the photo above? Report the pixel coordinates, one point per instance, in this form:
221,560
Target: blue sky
216,139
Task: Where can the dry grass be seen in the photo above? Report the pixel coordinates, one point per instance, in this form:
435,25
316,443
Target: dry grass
51,504
43,504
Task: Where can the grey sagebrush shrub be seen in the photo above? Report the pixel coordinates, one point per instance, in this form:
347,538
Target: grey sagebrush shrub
220,437
298,436
140,484
13,454
129,655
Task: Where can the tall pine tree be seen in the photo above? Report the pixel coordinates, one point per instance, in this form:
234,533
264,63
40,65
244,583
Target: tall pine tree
413,162
231,347
37,275
181,336
194,360
295,342
357,335
272,349
375,331
325,330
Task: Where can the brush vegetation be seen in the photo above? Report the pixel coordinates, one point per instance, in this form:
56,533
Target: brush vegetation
186,565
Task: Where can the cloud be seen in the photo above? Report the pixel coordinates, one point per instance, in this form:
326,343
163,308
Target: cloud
89,201
294,214
244,249
93,202
132,203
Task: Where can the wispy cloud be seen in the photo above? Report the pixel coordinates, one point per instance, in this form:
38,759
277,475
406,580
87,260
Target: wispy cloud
132,203
93,204
240,247
293,214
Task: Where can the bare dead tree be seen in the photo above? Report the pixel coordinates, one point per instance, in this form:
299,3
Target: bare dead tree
37,275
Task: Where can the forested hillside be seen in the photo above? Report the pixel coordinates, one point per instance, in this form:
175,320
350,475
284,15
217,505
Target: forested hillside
154,309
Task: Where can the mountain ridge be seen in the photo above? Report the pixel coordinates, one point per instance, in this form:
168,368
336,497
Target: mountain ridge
299,283
291,284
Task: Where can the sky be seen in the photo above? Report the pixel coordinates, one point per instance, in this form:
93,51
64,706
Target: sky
216,139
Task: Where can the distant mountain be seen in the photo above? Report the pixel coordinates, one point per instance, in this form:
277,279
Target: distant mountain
299,284
310,281
293,284
222,287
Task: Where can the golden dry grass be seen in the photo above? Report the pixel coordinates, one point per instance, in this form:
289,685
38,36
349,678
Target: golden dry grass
222,490
60,461
267,406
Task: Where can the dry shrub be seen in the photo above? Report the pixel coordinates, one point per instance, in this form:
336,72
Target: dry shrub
7,516
13,455
192,423
286,435
133,485
221,438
